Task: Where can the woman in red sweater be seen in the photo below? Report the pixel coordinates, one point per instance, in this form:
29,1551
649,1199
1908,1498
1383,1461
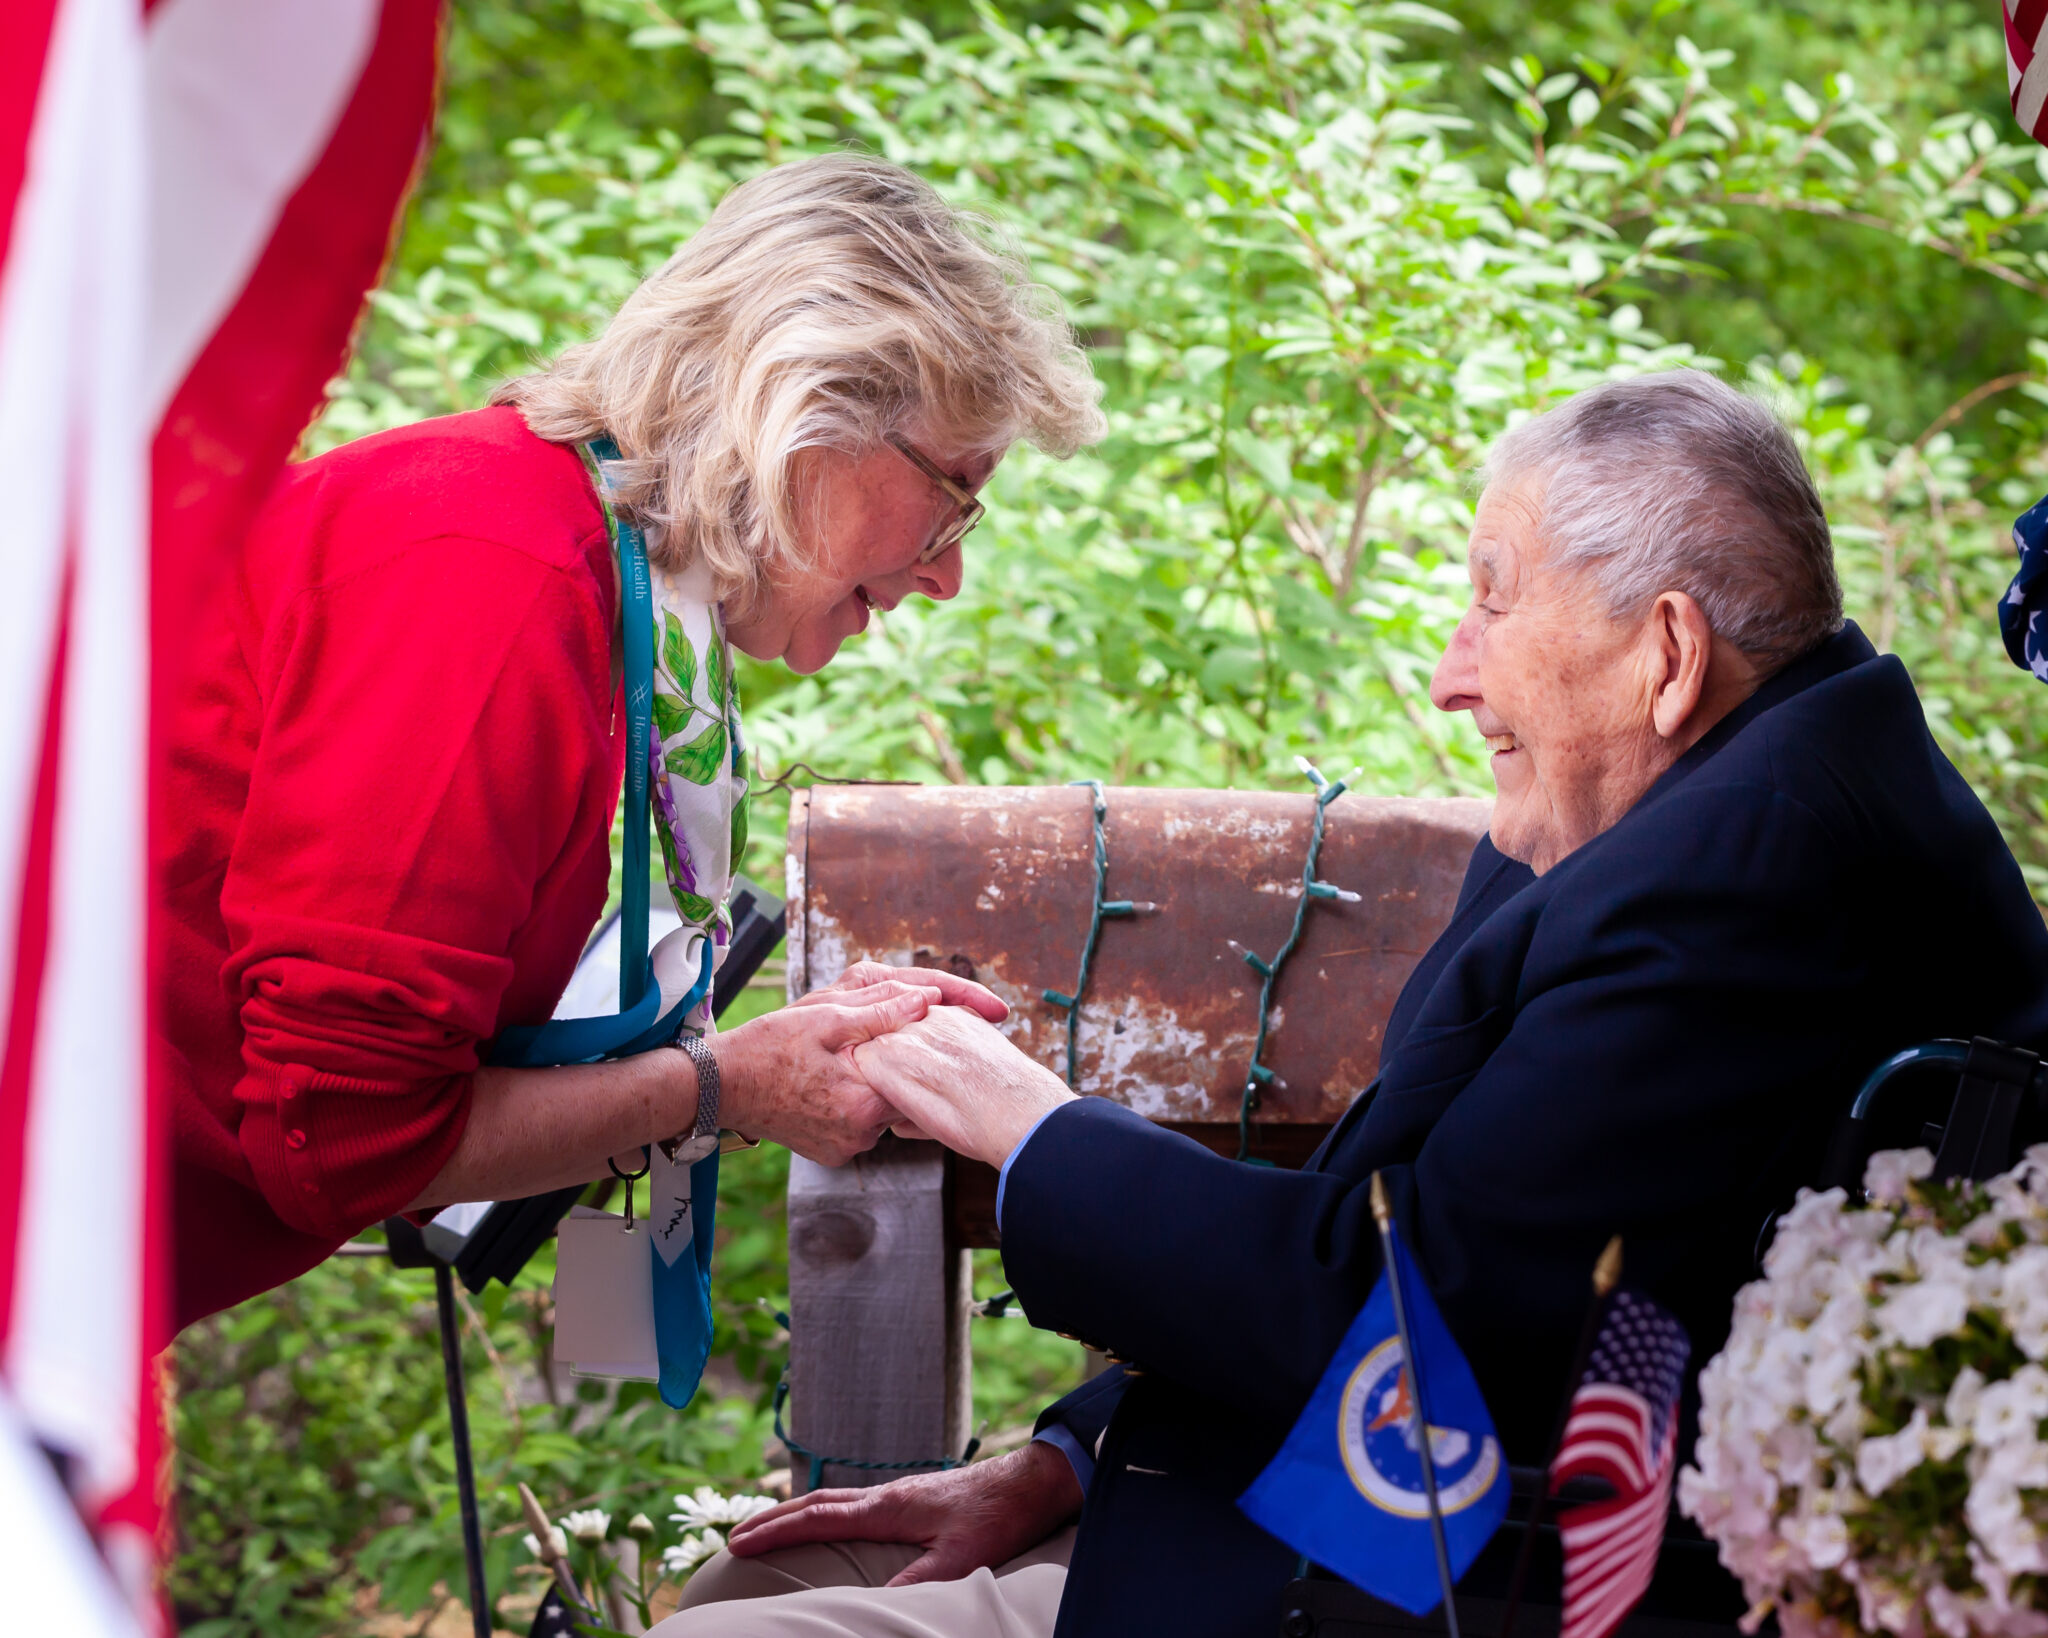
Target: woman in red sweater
394,774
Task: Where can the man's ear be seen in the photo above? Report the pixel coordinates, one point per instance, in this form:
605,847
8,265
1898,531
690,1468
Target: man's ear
1682,649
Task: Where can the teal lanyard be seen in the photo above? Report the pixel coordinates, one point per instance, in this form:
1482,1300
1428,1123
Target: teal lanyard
638,1024
636,594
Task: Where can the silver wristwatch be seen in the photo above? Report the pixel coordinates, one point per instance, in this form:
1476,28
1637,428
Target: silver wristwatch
702,1138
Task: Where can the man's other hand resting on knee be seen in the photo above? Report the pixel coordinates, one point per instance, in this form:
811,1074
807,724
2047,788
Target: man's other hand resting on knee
966,1519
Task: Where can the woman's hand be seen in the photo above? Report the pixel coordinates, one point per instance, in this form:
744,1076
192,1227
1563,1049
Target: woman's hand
973,1516
960,1082
790,1075
951,988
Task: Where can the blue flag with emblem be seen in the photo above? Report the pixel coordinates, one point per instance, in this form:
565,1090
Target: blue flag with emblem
1347,1488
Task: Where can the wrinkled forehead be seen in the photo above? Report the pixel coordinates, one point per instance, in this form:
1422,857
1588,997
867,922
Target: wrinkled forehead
1507,538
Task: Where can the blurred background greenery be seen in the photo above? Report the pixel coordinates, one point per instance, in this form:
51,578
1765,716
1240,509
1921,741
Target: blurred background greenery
1321,251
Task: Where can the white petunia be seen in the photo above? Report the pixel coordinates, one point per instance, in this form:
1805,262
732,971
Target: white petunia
588,1526
1830,1377
1883,1461
2024,1292
1997,1516
2012,1409
1920,1313
1960,1407
1823,1539
1891,1171
1951,1611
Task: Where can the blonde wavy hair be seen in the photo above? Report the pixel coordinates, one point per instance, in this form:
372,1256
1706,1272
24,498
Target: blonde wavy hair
825,304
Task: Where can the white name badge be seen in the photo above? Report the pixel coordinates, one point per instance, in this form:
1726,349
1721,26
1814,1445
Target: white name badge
668,1207
604,1297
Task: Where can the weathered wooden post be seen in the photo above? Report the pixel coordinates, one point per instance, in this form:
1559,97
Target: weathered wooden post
998,885
878,1295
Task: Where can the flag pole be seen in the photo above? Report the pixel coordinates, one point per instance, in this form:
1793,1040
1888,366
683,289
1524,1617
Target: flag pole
1383,1216
1606,1276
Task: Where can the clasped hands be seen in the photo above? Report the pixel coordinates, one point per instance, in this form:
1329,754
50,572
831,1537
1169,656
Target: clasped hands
909,1049
917,1051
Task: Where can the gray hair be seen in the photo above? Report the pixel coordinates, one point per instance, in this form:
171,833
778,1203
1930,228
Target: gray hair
1677,482
824,305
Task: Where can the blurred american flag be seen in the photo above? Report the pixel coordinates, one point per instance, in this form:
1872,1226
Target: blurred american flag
1623,1428
195,196
2026,71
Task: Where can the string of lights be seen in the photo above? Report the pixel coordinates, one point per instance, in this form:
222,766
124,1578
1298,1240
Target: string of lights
1103,909
818,1463
1313,888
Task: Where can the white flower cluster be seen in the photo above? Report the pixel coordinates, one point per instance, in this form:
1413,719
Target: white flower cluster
705,1515
588,1526
1870,1454
705,1507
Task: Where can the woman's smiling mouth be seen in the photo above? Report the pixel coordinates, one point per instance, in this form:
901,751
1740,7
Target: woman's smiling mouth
1500,744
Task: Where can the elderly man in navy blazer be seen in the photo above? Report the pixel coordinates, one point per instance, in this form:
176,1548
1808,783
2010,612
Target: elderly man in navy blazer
1729,871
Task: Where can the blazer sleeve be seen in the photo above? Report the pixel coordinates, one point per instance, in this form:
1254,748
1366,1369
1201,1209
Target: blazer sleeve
1653,1043
1085,1412
436,735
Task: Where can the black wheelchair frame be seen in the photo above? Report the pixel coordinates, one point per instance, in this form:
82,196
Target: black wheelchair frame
1996,1106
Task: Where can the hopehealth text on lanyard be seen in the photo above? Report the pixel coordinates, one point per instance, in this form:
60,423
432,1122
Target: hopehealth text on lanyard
622,1271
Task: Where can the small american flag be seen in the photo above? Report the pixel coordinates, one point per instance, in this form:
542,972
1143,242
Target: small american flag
2026,64
1623,1428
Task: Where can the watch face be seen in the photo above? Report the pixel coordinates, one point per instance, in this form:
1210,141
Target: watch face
695,1148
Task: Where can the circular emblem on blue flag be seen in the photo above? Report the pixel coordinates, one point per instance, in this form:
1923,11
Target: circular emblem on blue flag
1378,1431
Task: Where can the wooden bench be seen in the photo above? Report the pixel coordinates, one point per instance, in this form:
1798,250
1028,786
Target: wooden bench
998,884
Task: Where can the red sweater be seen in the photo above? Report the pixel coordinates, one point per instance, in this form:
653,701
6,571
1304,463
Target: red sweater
387,818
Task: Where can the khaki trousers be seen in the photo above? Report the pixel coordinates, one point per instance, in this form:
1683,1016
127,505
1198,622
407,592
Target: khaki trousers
835,1590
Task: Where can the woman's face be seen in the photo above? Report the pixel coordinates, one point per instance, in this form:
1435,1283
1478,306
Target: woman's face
873,516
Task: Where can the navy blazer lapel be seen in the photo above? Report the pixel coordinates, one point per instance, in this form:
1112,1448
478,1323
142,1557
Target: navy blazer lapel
1491,879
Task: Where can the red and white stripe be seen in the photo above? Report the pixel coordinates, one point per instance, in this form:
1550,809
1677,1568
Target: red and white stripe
1610,1547
194,197
2026,66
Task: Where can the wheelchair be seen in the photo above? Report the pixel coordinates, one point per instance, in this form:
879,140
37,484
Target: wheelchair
1991,1100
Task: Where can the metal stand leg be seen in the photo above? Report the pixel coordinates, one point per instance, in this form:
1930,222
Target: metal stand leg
465,1469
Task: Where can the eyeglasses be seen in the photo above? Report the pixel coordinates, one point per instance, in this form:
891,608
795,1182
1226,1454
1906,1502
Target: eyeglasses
956,527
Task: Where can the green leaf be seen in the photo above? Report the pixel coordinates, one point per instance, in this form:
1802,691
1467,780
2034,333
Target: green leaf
678,655
715,664
1267,457
739,833
694,906
671,716
703,759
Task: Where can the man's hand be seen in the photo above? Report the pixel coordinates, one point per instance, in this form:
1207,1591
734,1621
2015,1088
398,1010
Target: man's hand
973,1516
959,1082
790,1076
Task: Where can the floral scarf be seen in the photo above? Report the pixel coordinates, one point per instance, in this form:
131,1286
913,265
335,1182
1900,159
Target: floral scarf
698,775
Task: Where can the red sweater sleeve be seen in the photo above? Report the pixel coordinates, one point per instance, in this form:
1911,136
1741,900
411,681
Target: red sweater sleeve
435,743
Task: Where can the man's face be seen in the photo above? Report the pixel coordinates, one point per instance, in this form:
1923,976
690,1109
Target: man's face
1563,693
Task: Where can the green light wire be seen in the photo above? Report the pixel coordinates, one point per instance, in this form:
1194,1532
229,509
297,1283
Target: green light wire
1312,889
1103,909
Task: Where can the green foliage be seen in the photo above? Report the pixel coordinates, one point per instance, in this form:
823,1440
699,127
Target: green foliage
312,1430
1322,251
1316,284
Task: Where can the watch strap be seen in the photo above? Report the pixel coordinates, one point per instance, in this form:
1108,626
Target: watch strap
706,1062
